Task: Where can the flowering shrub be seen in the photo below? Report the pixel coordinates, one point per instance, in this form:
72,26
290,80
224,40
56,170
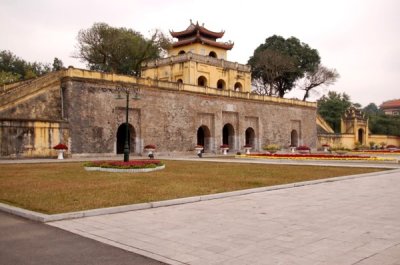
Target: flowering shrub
390,146
150,146
272,147
326,145
133,164
317,157
198,146
224,146
60,146
303,148
247,146
340,148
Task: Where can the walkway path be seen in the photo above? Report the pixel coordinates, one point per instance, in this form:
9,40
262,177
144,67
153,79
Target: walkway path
24,242
348,222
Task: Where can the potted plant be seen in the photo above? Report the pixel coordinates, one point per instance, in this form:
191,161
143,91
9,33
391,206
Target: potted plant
61,149
224,148
272,148
325,147
292,148
247,148
340,149
199,149
150,148
303,149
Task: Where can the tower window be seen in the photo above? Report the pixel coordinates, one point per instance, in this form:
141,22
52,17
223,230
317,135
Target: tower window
212,54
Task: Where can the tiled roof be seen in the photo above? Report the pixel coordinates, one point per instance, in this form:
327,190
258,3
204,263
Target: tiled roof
390,104
200,39
193,29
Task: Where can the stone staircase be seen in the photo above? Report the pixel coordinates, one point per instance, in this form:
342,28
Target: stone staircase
16,92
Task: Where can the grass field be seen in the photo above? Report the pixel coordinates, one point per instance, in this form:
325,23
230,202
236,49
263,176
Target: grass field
65,187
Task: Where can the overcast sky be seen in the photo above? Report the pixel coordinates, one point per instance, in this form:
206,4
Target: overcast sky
359,38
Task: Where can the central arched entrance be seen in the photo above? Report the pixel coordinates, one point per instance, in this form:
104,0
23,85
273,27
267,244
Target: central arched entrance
294,138
250,136
121,134
204,137
228,136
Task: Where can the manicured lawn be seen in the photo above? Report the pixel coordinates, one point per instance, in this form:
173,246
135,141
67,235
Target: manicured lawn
65,187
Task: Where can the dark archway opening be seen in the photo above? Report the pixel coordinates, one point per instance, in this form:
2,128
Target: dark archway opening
202,81
238,86
250,136
228,135
204,137
212,54
294,138
361,136
221,84
121,133
181,52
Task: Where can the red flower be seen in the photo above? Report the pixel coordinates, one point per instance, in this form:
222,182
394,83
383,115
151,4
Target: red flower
60,146
224,146
150,146
303,147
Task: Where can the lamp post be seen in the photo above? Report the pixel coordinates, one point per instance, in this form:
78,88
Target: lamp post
127,91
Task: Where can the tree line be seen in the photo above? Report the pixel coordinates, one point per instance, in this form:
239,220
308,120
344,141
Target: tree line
332,107
14,69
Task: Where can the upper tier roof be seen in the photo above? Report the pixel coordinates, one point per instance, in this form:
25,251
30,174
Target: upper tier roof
199,34
193,29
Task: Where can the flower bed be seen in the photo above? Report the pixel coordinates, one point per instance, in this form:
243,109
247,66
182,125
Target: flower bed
132,166
316,157
381,152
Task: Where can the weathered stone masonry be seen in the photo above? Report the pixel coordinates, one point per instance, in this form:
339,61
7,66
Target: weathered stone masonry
168,115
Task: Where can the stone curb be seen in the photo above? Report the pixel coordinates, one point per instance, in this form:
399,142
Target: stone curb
44,218
120,170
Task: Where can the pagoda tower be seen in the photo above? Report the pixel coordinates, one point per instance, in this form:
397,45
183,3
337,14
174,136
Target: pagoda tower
198,59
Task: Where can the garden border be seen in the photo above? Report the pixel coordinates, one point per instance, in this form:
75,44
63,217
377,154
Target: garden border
44,218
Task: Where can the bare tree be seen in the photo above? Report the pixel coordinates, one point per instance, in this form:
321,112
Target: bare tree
321,76
271,67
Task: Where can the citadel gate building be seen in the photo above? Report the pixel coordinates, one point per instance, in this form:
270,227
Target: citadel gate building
194,96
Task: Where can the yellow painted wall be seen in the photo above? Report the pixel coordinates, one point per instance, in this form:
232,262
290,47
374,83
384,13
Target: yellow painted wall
199,48
190,71
46,135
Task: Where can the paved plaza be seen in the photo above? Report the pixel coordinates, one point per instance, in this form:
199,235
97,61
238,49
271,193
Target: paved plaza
348,222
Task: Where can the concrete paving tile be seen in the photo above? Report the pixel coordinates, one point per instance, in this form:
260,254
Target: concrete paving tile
335,223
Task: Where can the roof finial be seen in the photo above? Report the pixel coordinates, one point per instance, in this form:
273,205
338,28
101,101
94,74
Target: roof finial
191,22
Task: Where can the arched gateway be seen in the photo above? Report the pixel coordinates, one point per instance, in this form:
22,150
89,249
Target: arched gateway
121,134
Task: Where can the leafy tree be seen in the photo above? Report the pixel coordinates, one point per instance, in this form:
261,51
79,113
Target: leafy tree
285,61
319,76
380,123
118,50
13,68
332,107
57,65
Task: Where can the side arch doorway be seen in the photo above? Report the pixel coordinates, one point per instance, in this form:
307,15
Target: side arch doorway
121,134
294,138
204,137
228,136
250,136
361,136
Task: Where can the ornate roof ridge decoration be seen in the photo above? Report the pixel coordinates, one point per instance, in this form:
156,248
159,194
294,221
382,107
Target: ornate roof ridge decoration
196,28
394,103
353,112
199,34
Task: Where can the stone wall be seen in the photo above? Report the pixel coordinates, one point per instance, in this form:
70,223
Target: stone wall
170,119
